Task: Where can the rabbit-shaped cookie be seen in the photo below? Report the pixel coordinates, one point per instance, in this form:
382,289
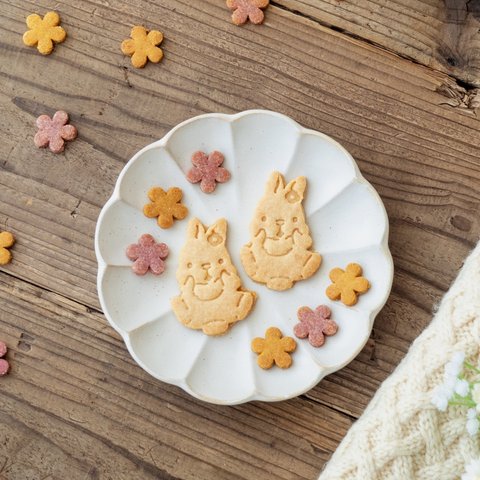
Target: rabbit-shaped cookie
211,297
279,254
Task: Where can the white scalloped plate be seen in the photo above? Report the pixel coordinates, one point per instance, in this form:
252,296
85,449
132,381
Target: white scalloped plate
348,223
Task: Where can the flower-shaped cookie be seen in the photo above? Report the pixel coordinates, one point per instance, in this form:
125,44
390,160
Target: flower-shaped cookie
208,171
347,284
165,205
6,241
142,46
4,365
147,254
52,132
315,324
247,10
274,348
43,32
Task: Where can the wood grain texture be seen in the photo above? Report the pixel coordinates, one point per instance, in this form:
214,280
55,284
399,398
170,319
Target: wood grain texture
73,389
442,34
76,402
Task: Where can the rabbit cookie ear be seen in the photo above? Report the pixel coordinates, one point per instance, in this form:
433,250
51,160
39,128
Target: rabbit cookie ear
195,229
295,190
217,233
276,183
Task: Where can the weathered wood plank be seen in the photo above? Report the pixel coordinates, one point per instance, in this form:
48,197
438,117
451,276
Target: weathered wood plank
442,34
92,412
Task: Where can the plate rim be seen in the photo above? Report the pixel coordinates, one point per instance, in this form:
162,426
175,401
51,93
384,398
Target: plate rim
102,265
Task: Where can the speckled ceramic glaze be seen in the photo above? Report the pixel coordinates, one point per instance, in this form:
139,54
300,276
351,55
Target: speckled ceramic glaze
347,220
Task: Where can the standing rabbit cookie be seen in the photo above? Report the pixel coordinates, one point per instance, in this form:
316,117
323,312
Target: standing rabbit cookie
212,297
279,254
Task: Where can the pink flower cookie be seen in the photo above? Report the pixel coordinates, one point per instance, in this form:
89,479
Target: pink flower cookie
147,254
208,170
52,132
247,10
4,365
315,324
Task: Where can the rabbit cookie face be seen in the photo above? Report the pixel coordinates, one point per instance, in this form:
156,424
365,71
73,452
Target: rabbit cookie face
279,254
211,297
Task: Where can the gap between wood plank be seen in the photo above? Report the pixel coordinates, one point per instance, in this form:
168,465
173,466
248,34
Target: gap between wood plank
89,308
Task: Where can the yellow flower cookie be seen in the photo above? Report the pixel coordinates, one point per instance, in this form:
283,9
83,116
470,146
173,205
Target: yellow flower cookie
274,349
165,206
44,32
6,241
347,284
142,46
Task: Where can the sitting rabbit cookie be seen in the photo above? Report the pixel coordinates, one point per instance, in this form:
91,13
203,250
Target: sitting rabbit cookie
279,252
211,297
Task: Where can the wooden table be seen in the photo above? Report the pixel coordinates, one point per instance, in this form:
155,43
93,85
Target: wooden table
392,80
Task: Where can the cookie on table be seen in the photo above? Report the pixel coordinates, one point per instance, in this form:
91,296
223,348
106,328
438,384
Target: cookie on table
143,46
6,241
4,365
44,32
244,10
54,132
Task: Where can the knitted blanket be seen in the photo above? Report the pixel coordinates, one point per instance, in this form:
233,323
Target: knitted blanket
401,435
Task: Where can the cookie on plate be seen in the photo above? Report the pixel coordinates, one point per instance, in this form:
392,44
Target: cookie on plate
347,284
279,253
212,297
274,349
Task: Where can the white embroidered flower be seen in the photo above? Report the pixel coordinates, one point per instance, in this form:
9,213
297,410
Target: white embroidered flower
458,358
462,387
440,397
472,422
455,365
449,381
476,393
472,471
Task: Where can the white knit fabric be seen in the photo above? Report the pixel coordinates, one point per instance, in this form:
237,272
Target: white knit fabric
401,435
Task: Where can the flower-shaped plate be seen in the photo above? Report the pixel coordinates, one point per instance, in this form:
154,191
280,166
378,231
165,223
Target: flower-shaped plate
347,220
